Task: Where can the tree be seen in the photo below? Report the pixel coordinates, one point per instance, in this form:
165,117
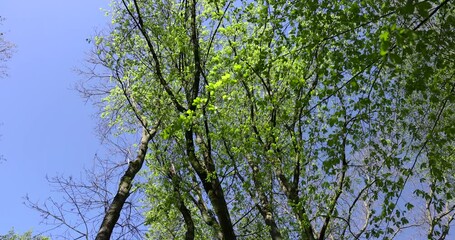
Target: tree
6,51
86,200
283,119
26,236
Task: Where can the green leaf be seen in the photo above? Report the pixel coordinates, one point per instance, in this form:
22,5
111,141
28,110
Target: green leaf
424,8
384,36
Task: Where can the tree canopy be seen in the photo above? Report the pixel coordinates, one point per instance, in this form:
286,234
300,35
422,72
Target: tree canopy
26,236
282,119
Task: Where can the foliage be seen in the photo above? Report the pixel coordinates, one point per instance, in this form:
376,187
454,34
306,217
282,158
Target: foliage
287,119
26,236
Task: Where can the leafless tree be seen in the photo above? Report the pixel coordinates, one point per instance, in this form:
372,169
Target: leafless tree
6,52
83,202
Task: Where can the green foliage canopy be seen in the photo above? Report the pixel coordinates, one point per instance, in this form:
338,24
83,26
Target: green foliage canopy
26,236
287,119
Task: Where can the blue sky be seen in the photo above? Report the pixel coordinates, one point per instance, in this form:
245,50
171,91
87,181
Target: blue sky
46,127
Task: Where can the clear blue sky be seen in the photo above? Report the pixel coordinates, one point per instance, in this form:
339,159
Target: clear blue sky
47,128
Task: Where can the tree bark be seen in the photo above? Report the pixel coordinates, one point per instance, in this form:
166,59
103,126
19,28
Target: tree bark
207,216
212,187
293,199
113,213
186,213
189,224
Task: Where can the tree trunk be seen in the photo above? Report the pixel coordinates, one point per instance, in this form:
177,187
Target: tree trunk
212,187
113,213
186,213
